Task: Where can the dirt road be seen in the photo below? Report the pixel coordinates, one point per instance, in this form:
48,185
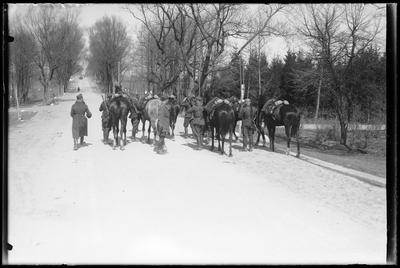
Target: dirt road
98,205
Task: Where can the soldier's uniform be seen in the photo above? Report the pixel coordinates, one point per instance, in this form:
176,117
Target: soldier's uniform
79,113
247,113
105,117
187,116
134,116
197,121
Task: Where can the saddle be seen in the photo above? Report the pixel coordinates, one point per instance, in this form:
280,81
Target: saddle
273,106
214,103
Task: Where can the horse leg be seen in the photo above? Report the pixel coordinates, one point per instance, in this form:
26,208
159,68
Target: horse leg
223,147
263,136
149,132
123,134
115,133
155,132
288,135
121,141
219,139
230,143
143,127
234,130
212,138
271,135
297,141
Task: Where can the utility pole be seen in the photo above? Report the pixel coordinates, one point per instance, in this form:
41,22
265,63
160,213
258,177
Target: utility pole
259,65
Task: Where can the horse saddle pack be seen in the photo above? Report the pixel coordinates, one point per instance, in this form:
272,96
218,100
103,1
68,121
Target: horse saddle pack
273,106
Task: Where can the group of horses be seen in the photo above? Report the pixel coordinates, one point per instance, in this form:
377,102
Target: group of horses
219,122
141,109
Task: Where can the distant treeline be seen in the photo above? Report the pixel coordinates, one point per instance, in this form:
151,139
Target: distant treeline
302,81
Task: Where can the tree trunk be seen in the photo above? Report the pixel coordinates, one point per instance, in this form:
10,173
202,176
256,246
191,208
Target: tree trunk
65,87
343,132
259,65
318,98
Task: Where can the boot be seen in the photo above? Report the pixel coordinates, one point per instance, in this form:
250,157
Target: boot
186,131
81,140
244,147
75,144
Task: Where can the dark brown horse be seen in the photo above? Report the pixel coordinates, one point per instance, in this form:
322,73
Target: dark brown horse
282,115
119,109
222,120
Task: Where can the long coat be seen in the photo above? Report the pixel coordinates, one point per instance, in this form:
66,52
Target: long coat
163,119
79,120
247,113
197,112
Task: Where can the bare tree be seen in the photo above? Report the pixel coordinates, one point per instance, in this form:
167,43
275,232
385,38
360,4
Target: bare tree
41,22
337,34
109,44
57,41
21,59
71,49
163,37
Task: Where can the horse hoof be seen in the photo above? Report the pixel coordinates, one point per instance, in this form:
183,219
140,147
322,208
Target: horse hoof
298,155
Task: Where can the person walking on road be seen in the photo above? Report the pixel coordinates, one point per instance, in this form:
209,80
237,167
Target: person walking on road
186,106
197,120
79,112
163,125
247,113
105,117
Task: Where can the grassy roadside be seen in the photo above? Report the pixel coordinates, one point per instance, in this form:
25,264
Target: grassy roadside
372,162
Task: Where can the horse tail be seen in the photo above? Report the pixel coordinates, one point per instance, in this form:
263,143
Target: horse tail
225,121
294,122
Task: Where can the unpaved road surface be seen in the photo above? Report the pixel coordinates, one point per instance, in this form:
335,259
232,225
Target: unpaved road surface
98,205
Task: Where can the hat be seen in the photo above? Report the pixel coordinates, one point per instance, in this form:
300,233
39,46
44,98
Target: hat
79,96
172,96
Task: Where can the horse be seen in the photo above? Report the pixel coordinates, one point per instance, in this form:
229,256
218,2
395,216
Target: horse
285,115
119,109
222,120
150,113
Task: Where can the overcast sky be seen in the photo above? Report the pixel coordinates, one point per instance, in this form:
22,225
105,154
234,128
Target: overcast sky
90,13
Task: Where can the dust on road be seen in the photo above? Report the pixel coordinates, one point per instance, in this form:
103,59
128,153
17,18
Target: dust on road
98,205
